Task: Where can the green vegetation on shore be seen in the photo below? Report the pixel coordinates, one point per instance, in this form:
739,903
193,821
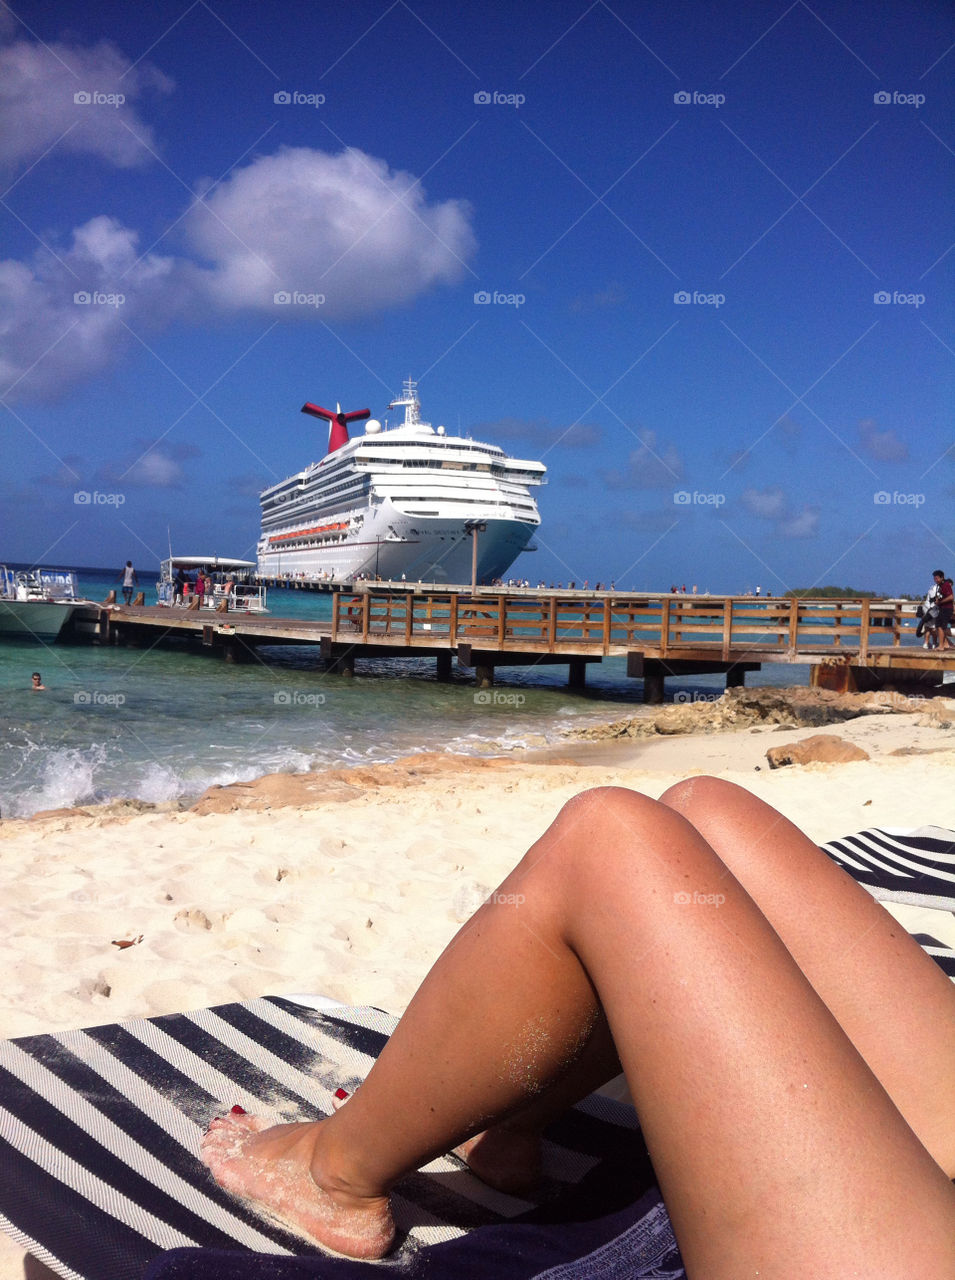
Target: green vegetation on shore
826,593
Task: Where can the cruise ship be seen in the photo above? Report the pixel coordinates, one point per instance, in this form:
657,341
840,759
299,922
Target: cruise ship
399,502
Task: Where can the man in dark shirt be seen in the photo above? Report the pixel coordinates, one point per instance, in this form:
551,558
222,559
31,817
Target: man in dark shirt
945,604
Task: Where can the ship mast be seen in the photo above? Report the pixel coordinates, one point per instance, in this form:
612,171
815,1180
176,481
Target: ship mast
408,400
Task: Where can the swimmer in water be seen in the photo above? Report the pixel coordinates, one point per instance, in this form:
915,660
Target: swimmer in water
36,681
790,1050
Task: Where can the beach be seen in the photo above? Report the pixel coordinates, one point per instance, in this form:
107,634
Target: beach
349,882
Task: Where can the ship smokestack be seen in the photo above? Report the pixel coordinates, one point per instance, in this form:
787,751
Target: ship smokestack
338,422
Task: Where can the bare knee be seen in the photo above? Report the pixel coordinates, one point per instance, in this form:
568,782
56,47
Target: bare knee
610,845
603,813
602,827
702,795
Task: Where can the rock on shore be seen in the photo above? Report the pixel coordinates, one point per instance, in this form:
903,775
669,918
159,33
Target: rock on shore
796,708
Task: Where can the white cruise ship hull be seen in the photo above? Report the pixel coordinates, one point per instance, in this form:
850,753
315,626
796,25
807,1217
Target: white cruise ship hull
399,503
390,544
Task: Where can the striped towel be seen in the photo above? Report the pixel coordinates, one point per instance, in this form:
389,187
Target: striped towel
100,1129
913,875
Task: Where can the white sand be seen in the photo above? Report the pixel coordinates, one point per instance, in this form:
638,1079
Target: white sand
355,899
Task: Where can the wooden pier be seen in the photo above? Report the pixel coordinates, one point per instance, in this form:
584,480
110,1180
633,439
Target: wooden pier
851,644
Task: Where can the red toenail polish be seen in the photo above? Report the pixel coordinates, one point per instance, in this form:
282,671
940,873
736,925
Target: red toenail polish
341,1094
238,1111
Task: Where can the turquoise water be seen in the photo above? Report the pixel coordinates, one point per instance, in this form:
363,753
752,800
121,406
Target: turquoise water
163,724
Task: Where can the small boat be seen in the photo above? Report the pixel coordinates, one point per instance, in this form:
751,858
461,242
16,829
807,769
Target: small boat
231,582
37,602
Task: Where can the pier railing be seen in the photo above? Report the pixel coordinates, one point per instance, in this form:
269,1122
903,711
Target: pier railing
665,626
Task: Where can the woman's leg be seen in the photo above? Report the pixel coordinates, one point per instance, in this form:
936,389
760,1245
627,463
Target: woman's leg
891,999
508,1154
750,1095
893,1002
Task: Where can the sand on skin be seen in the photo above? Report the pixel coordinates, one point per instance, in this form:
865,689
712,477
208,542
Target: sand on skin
355,897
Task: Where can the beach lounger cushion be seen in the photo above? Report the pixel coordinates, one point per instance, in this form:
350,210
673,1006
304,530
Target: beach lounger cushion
100,1129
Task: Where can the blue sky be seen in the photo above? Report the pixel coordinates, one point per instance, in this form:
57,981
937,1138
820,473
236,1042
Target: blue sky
717,241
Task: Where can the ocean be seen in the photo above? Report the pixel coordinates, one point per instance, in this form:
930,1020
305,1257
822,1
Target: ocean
163,724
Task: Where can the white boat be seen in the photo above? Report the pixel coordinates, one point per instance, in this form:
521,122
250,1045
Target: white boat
37,602
407,501
231,580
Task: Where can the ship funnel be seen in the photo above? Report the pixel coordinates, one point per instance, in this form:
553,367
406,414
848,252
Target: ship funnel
338,422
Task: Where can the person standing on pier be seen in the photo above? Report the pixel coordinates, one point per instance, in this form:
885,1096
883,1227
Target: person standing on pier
944,602
130,581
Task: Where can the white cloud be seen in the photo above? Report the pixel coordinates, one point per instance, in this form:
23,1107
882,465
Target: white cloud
803,524
884,446
654,465
150,466
156,469
63,317
38,106
539,433
345,227
767,504
772,503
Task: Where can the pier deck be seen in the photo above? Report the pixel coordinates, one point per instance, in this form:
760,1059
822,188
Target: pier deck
849,643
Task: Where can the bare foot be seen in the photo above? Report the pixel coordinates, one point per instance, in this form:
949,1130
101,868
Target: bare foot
279,1168
506,1159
